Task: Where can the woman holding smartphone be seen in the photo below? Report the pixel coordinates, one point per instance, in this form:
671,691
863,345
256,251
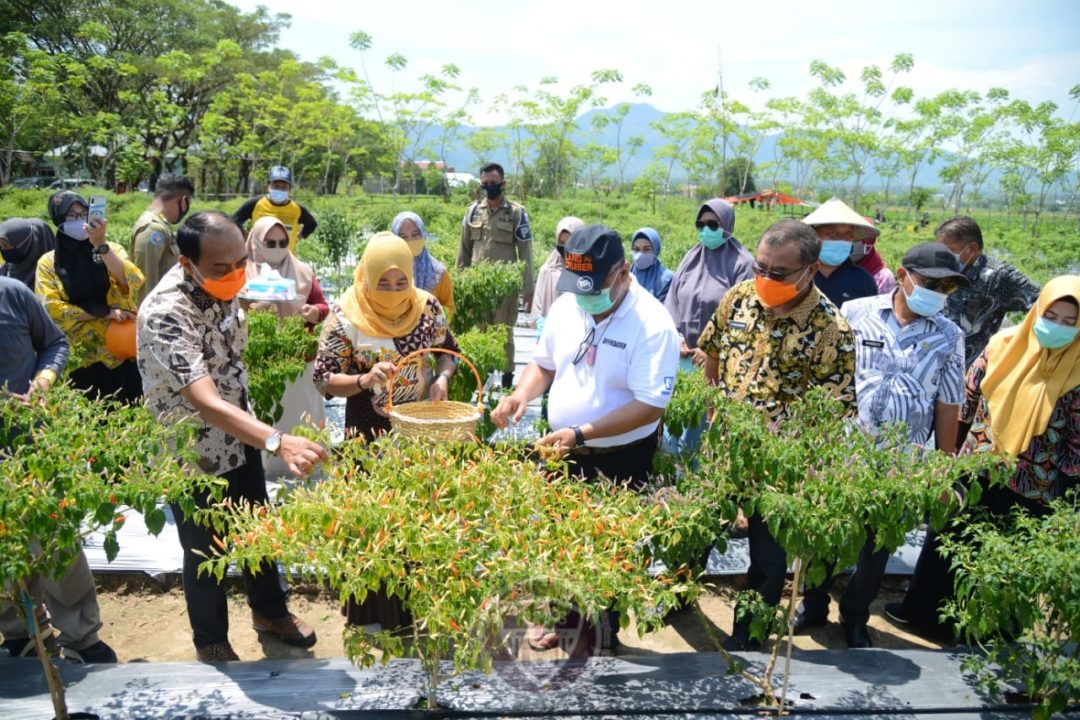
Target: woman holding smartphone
86,284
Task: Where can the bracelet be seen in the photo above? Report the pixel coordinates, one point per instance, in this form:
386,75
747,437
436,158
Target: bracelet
359,379
579,436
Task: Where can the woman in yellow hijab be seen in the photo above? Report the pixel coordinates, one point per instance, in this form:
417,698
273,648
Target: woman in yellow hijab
375,323
378,320
1023,401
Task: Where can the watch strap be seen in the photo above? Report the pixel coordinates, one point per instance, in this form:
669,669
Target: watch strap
579,437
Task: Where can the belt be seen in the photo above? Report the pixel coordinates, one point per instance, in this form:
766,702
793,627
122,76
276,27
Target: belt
589,450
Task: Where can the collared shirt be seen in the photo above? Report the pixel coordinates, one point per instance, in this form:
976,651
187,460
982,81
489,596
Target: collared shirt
846,282
1050,466
901,372
773,361
184,335
153,249
32,343
636,358
499,235
996,288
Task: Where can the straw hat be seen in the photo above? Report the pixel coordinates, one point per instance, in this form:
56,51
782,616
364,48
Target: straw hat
836,212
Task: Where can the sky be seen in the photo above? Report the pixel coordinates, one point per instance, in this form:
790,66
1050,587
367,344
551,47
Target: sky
1030,47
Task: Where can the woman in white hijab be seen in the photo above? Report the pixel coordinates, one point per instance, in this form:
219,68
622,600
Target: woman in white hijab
550,271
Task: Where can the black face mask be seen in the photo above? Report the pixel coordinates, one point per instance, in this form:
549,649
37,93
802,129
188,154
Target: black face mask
493,191
561,249
15,254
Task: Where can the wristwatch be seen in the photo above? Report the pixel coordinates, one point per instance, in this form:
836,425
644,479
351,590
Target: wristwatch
102,249
579,437
273,443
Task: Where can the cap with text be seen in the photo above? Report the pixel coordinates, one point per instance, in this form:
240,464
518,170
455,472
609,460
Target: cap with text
934,260
591,252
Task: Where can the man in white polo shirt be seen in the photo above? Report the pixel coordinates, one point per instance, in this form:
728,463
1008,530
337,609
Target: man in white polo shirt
609,353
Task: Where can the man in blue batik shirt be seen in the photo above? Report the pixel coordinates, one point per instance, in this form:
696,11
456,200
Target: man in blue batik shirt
909,367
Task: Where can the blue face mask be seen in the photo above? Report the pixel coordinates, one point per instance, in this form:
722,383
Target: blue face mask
834,252
712,239
1053,336
279,197
74,229
596,304
643,260
924,302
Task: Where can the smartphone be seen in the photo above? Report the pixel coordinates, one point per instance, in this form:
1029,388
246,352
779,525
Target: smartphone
97,209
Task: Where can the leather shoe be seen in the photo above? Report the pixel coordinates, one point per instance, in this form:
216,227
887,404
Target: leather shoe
857,636
804,621
290,629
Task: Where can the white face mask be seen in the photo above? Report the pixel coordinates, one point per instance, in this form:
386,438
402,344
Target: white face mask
74,229
275,256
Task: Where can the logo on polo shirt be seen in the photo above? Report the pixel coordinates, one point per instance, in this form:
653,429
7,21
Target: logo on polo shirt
614,343
669,385
578,263
585,284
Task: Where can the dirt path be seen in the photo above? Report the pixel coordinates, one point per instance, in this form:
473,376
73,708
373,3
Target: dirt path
146,621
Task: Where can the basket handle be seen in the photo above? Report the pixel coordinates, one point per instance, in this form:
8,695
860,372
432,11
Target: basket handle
415,355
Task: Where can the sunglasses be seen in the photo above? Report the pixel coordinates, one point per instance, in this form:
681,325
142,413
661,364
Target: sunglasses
711,224
945,286
586,347
276,243
775,275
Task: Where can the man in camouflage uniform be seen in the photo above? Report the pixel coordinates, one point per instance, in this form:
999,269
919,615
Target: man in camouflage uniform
496,229
153,246
995,287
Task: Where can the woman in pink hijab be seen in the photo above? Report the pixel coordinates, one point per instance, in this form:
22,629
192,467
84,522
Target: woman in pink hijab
268,246
264,245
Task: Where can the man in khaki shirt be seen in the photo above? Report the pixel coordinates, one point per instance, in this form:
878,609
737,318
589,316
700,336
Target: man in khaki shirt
153,246
496,229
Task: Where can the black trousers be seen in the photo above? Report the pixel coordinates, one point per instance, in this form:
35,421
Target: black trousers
862,587
207,607
630,466
932,582
768,568
123,382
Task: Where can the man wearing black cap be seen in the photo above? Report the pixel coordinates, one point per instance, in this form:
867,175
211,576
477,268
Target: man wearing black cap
909,367
296,218
609,353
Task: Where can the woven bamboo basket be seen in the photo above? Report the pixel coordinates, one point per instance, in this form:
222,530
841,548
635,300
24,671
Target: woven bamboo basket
441,421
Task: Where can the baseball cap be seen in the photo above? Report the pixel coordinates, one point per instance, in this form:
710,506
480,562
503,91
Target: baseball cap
280,172
591,252
934,260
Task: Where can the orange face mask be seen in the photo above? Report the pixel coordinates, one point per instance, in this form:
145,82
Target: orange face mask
227,287
773,293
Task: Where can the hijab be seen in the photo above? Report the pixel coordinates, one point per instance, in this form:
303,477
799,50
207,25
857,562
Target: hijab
84,277
427,271
381,313
1023,379
704,275
30,239
656,277
545,292
291,267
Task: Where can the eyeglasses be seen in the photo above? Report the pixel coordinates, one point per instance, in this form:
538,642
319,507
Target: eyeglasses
586,345
70,217
711,224
776,275
276,243
945,286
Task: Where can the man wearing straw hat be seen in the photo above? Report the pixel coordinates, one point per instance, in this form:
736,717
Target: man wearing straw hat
840,229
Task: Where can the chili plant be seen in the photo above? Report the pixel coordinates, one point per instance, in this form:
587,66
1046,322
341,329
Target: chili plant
277,354
480,289
465,536
822,484
1018,599
71,466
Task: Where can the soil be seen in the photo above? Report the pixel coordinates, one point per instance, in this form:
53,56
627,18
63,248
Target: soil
146,621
